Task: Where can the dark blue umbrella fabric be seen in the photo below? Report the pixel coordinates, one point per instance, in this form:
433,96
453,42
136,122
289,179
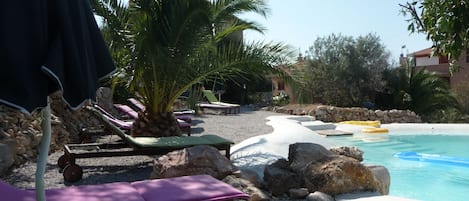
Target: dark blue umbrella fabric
50,45
46,46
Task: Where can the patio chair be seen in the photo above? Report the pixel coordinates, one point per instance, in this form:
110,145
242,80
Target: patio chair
138,146
128,111
186,188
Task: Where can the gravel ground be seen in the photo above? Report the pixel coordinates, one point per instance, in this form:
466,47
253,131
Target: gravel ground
238,127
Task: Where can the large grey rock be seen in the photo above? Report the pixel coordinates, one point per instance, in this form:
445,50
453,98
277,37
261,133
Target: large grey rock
319,196
353,152
339,175
382,176
201,159
7,156
301,154
279,178
252,177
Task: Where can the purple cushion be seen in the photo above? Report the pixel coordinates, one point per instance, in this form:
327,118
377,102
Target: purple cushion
127,110
183,124
186,118
8,192
105,192
127,125
187,188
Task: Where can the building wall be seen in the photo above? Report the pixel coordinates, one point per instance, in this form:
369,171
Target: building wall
426,61
434,64
463,73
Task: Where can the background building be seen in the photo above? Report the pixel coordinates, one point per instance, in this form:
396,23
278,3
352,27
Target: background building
440,65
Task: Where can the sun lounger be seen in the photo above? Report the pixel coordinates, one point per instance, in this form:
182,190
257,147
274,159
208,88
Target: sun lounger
183,125
186,188
182,115
138,146
333,132
213,100
217,109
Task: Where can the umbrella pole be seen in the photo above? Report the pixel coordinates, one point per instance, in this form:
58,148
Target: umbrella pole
43,152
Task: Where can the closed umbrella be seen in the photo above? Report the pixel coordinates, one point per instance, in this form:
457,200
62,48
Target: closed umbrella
47,46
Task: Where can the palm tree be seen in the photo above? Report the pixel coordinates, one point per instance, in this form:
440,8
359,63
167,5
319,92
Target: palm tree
173,45
422,92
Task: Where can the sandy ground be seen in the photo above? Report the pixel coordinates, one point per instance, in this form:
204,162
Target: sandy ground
246,124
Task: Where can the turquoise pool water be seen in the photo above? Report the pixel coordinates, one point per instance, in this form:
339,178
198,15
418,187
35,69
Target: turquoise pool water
415,179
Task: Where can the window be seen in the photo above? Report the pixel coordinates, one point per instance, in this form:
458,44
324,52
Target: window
443,59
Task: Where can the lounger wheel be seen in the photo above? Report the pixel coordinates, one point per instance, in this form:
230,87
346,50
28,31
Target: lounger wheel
63,161
72,173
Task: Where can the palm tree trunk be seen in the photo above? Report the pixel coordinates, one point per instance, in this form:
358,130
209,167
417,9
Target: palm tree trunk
156,125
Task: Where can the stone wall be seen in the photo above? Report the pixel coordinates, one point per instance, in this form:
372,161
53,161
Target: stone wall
20,134
338,114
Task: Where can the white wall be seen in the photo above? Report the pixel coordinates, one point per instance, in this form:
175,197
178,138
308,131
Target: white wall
426,61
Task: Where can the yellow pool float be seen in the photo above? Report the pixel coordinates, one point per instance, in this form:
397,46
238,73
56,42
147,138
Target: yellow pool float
375,130
362,123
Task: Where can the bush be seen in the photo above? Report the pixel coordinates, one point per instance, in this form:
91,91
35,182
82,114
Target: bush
281,99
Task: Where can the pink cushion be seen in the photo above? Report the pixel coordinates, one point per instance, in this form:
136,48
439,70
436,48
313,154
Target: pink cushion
105,192
8,192
187,188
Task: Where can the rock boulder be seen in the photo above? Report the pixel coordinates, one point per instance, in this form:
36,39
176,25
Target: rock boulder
352,152
7,155
301,154
339,175
201,159
382,176
279,178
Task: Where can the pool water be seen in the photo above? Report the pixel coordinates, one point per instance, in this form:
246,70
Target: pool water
415,179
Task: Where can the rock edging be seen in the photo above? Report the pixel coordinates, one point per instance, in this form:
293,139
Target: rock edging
337,114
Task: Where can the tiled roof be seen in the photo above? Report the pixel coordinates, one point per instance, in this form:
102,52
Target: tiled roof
421,53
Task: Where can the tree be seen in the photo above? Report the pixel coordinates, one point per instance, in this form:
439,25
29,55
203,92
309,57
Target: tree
446,23
346,71
175,44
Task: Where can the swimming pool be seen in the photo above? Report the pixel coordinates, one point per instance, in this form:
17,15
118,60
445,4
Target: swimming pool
415,179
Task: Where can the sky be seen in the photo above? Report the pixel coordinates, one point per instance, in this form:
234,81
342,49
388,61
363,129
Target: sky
299,23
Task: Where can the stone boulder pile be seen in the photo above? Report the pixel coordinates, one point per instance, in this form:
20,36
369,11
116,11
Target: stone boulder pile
20,134
311,172
312,168
337,114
